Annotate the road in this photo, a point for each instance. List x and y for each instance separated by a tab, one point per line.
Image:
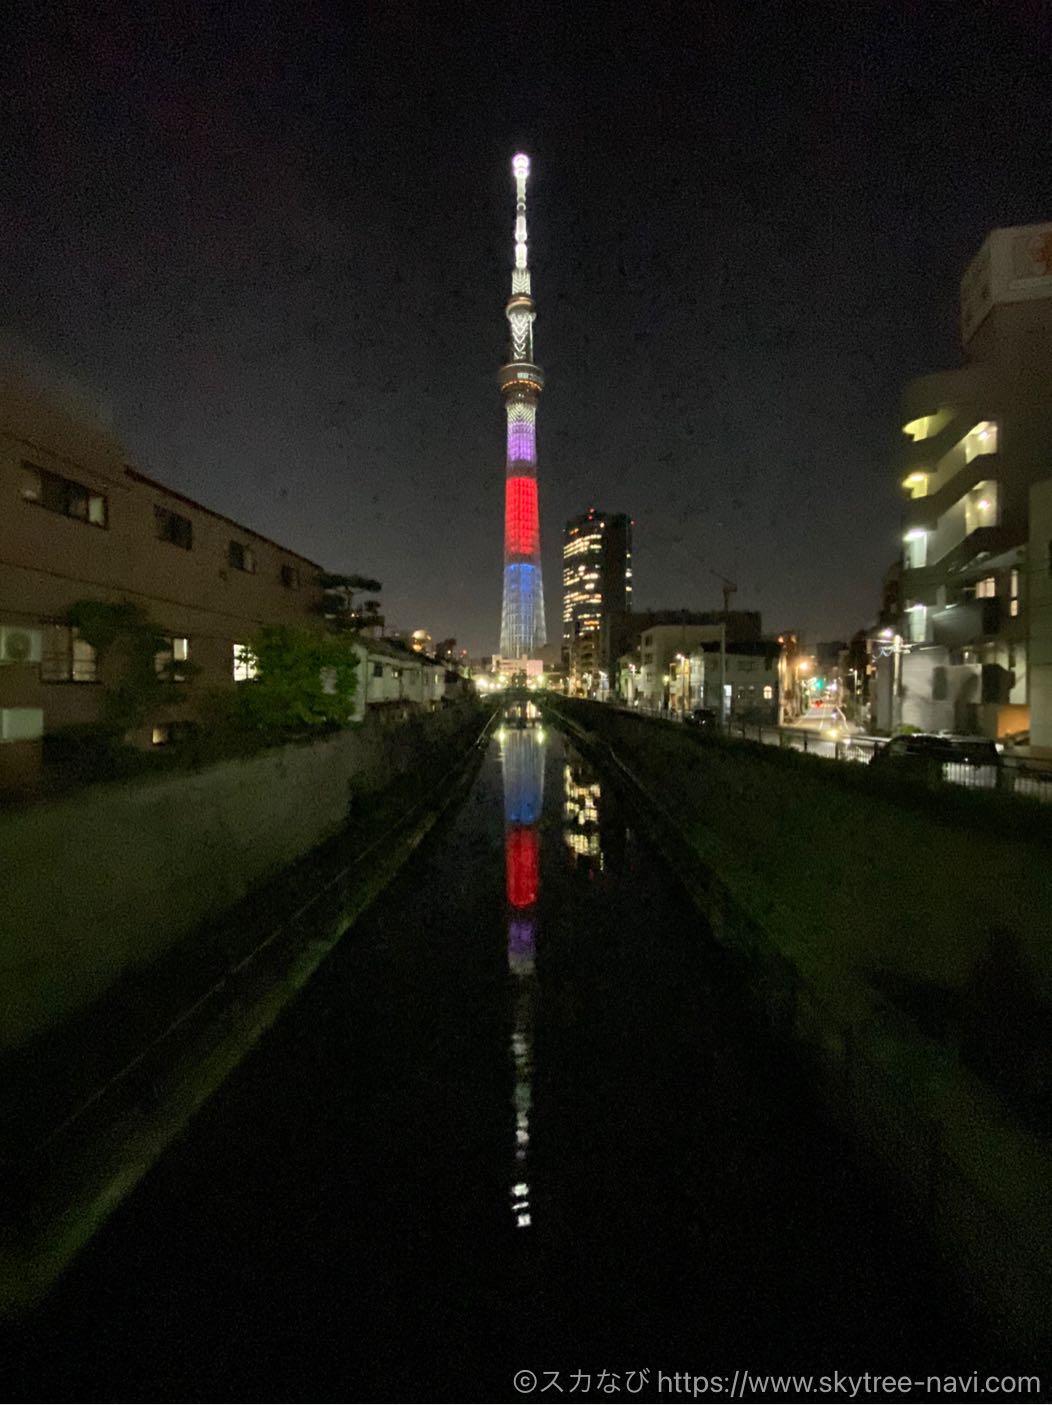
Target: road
522	1119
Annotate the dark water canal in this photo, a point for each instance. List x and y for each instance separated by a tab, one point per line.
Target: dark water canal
522	1119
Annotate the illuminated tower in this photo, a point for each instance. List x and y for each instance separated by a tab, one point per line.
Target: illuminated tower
522	631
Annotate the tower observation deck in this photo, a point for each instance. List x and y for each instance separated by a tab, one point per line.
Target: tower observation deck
522	631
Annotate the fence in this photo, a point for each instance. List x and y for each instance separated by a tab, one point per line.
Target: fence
1016	775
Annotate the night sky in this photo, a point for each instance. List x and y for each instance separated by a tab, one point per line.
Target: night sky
278	242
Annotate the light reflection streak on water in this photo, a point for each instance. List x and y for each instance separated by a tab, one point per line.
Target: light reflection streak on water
522	770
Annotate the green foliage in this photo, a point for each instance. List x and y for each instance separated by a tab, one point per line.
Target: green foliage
127	643
302	680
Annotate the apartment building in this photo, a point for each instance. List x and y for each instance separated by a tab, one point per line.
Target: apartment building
960	652
683	666
76	523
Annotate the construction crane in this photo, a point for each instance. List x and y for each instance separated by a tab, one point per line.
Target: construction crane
728	590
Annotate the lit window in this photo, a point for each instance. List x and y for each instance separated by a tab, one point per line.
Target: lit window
986	589
162	735
166	661
1014	591
244	664
768	692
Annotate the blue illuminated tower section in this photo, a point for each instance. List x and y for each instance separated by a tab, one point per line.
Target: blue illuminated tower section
522	631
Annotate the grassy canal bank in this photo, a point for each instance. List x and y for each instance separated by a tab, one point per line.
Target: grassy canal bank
900	933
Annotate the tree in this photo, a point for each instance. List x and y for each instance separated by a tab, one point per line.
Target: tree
134	661
301	679
338	601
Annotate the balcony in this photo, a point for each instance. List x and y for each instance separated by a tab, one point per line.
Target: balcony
968	622
982	541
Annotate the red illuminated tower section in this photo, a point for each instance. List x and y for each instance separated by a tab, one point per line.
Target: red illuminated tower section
522	632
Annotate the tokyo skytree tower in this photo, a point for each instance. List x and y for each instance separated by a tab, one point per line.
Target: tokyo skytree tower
522	630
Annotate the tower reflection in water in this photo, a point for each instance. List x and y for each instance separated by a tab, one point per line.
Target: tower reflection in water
522	767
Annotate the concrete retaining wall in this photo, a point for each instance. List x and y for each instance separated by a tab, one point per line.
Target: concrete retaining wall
107	878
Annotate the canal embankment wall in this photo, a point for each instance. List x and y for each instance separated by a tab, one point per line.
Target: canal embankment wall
108	878
900	935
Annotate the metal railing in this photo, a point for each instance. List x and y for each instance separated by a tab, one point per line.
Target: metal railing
1014	775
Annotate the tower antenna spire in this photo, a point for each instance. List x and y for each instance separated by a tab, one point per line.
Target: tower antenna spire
522	629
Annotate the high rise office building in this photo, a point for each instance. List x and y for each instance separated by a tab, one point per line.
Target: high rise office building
597	595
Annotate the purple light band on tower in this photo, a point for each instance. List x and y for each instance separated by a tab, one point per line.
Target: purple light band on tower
522	442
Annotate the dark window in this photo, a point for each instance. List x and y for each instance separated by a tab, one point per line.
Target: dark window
241	557
378	670
63	495
170	527
290	577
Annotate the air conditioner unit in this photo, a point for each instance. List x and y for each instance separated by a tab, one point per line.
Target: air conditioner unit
21	724
19	645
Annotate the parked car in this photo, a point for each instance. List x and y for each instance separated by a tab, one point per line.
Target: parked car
702	717
968	757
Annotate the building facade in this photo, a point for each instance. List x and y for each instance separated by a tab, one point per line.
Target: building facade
78	524
522	628
980	439
597	596
683	667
